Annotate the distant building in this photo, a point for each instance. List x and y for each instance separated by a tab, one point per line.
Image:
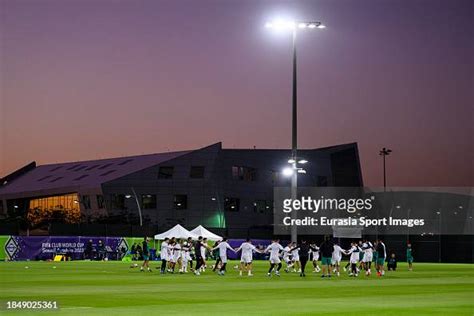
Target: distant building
229	190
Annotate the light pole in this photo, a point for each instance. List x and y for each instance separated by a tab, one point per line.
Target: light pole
384	152
294	26
138	204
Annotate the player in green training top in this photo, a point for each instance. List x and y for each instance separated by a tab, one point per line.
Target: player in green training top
409	257
146	255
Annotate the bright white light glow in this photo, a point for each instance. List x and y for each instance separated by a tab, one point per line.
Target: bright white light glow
128	196
303	161
287	172
281	24
291	161
301	171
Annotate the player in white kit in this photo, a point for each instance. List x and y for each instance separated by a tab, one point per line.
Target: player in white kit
246	256
185	256
176	255
203	255
336	258
354	253
295	257
315	257
223	246
274	248
164	255
368	249
287	257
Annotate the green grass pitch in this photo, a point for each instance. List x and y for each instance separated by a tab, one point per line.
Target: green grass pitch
112	288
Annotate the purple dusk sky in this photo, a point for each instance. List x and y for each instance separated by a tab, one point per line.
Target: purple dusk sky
86	79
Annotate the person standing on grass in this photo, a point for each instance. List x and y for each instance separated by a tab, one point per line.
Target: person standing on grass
146	255
295	257
222	247
304	253
198	251
409	257
336	258
215	253
381	256
368	250
185	256
315	257
176	255
88	250
164	255
287	257
354	253
274	248
326	250
203	254
246	256
361	257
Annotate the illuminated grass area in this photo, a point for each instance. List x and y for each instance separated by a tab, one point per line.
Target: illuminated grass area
106	288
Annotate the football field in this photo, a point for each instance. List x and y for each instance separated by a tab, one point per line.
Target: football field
113	288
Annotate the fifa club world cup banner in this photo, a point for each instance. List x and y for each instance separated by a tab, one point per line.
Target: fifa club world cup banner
46	247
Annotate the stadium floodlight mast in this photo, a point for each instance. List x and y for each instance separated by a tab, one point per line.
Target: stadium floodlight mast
384	152
293	171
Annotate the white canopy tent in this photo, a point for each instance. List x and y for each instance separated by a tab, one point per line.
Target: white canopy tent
201	231
177	232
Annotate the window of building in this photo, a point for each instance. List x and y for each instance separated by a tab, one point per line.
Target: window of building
180	202
100	201
92	167
107	173
118	201
80	168
244	173
44	178
105	166
125	162
64	208
148	201
196	172
262	206
73	167
56	179
165	173
259	206
231	204
322	181
56	168
86	201
81	177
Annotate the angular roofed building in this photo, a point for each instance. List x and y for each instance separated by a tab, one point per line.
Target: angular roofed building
230	190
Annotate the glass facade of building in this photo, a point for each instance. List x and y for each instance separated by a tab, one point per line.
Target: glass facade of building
60	207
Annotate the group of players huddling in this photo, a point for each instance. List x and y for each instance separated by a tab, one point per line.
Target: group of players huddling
175	255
